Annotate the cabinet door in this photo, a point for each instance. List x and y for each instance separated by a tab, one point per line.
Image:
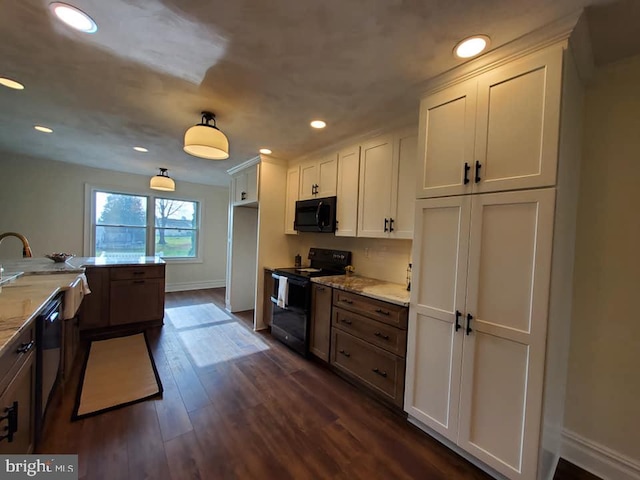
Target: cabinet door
446	141
518	121
293	179
503	362
251	176
327	174
376	174
135	301
21	391
308	180
405	146
434	347
239	188
347	193
320	321
94	309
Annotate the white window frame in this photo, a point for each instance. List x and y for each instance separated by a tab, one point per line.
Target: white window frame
90	219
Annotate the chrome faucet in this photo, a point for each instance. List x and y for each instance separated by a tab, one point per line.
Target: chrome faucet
26	249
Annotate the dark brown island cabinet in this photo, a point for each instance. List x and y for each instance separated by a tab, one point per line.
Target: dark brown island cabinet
123	298
17	400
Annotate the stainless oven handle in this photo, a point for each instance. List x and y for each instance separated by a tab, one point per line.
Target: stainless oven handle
292	281
274	300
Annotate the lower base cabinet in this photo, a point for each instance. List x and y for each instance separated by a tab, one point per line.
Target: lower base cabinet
369	342
17	397
320	321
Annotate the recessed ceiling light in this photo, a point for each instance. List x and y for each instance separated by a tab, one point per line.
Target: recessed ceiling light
7	82
42	129
318	124
472	46
74	17
140	149
266	151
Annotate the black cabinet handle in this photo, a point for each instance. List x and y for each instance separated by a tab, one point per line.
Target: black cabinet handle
243	195
348	322
386	222
382	312
469	318
458	315
320	289
11	415
467	167
138	281
139	272
379	372
25	347
347	301
378	334
346	354
478	167
391	220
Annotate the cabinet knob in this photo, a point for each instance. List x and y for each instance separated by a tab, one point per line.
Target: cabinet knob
347	301
346	354
382	312
380	335
344	320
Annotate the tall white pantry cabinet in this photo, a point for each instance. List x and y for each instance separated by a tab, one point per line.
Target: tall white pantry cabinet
494	234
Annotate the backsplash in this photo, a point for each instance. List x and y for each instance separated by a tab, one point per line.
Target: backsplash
372	257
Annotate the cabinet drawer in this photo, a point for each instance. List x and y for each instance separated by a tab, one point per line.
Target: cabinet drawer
135	273
383	311
381	334
17	351
380	370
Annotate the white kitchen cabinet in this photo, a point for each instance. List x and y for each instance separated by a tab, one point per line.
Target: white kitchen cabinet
245	186
347	191
385	203
318	178
293	185
478	321
496	132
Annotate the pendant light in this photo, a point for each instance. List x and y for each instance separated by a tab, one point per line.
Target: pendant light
206	141
163	182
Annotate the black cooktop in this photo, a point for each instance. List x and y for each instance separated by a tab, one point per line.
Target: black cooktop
323	262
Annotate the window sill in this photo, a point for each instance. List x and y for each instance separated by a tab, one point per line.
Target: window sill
181	261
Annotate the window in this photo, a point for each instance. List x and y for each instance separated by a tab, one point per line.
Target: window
176	234
126	225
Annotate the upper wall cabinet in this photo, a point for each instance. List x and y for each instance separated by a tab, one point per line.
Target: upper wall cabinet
319	178
293	181
385	204
498	131
347	191
245	186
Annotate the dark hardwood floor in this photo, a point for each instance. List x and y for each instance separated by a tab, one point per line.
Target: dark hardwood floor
237	404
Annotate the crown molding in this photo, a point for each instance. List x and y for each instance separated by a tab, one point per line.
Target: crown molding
246	164
556	33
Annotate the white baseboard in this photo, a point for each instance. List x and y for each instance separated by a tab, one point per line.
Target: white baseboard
598	459
184	286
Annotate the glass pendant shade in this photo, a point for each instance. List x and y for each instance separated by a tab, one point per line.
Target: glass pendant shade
206	141
163	182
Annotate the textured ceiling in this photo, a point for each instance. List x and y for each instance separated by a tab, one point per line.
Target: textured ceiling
266	68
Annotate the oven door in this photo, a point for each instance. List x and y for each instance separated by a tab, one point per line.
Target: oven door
290	324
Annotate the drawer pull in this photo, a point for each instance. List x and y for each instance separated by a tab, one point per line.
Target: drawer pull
320	289
379	372
382	312
138	281
346	300
344	320
11	415
378	334
346	354
139	273
25	347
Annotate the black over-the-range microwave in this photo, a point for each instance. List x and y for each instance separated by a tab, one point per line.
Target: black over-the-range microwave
316	215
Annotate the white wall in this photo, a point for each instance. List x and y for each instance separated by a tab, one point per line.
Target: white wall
602	411
44	200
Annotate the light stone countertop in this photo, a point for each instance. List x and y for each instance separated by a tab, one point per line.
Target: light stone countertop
22	299
45	266
369	287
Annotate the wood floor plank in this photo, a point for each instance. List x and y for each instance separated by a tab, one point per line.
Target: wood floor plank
147	458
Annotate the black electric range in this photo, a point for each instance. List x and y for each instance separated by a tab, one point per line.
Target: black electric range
291	313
